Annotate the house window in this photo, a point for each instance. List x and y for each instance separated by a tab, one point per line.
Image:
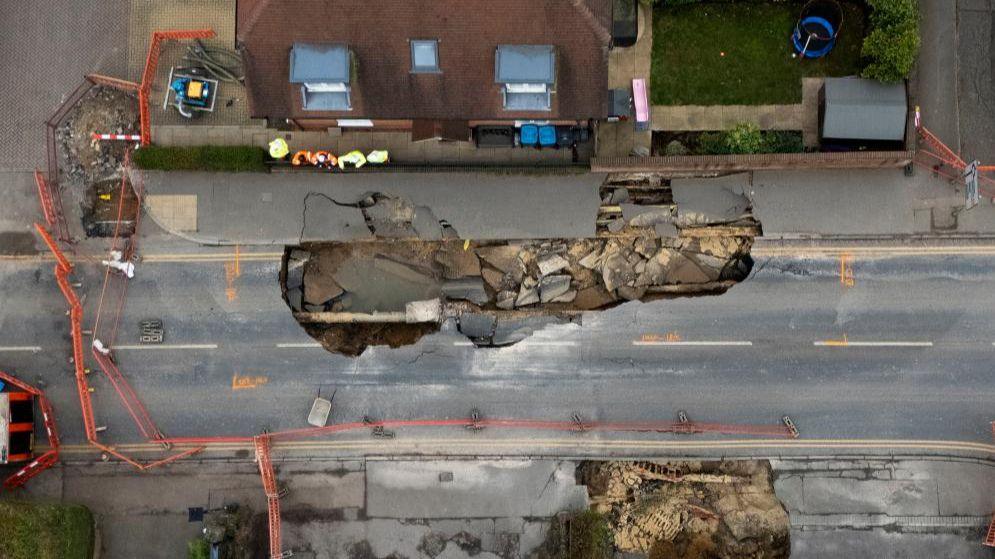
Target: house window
324	73
527	74
425	56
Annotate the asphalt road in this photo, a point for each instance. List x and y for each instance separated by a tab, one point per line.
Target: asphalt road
917	365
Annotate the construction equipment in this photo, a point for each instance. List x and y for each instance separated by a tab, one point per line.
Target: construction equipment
320	408
190	91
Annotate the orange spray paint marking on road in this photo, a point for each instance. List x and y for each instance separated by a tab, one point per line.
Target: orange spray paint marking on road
232	272
846	269
837	343
247	382
668	337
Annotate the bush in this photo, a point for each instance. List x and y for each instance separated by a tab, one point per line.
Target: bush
675	147
198	549
712	143
782	141
232	159
893	44
745	137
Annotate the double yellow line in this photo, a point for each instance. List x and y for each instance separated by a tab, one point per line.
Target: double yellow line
582	445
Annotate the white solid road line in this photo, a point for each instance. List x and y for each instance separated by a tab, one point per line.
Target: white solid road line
849	343
32	348
298	345
527	343
696	343
166	346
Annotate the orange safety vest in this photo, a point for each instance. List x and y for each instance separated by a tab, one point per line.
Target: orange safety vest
300	158
323	159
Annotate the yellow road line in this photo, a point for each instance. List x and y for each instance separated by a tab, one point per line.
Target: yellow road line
582	442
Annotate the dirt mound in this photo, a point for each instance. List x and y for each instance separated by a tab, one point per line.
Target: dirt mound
690	509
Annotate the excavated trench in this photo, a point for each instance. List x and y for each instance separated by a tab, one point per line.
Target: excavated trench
652	242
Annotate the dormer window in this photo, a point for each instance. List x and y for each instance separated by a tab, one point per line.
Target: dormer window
425	56
527	74
324	72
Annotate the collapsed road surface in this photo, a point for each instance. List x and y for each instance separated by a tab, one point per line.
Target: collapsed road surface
398	287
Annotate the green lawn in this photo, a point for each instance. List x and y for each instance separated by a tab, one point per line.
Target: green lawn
31	531
757	69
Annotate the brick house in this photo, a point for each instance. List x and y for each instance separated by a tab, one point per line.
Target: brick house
435	67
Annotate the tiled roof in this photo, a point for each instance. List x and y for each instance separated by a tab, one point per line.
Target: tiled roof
468	33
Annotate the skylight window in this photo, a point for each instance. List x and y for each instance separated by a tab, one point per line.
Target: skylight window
425	56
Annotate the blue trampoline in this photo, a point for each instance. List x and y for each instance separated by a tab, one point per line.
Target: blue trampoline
817	28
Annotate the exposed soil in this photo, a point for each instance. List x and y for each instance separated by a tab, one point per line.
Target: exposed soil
88	166
353	339
690	509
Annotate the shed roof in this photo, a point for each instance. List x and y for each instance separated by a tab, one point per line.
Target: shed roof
862	109
377	34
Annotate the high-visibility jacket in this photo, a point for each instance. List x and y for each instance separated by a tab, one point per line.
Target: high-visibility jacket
302	157
354	158
378	156
278	148
323	159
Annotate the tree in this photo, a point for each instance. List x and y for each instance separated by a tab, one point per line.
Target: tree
892	52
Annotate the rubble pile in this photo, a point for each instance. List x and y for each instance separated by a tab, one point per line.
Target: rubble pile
89	168
690	509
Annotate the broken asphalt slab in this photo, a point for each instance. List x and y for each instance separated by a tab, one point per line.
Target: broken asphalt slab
288	208
710	201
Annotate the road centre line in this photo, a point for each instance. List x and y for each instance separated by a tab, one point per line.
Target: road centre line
166	346
693	343
850	343
32	348
299	345
551	343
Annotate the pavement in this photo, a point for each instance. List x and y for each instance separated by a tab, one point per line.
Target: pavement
954	83
879	203
886	508
499	508
287	208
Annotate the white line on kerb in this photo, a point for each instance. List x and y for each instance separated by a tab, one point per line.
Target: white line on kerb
848	343
298	345
21	348
697	343
166	346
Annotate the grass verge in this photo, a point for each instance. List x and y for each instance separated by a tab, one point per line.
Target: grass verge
33	531
689	68
231	159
